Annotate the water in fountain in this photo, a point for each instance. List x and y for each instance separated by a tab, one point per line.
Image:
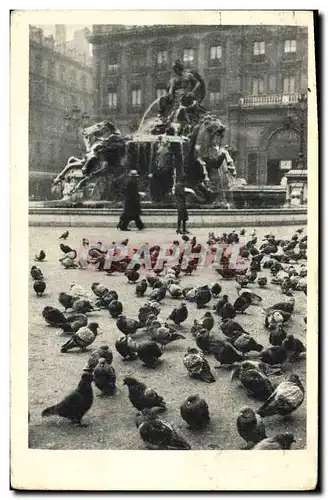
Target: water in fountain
150	123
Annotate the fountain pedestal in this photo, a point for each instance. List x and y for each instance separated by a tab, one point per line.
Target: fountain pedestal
296	191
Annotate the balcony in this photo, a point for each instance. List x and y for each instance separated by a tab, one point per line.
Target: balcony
269	100
113	68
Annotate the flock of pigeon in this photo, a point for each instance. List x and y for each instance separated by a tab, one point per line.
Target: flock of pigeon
146	337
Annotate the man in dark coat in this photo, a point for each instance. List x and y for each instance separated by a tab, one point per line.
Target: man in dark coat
132	206
180	190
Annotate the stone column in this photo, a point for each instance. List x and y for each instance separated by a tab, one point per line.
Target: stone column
262	169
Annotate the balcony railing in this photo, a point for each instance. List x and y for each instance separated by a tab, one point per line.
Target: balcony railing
113	68
269	100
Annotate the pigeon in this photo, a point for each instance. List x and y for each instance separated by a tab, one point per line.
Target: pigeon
273	319
82	338
66	300
229	327
149	352
76	404
226	354
179	314
294	346
250	426
195	412
245	343
102	352
207	321
228	311
286	398
242	303
82	306
132	275
262	281
277	334
99	290
79	292
255	382
203	296
197	366
36	273
40	256
158	434
115	308
206	341
76	321
274	355
278	442
197	327
146	310
65	248
64	236
216	289
158	294
175	291
285	307
104	377
143	397
164	336
39	287
53	316
242	281
126	347
141	288
154	281
128	326
248	295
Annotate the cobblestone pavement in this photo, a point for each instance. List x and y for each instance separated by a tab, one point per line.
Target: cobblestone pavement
111	420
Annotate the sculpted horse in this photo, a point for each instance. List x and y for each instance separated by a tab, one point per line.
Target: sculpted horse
93	176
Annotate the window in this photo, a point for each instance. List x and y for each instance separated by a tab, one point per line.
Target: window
136	98
215	52
258	86
83	82
289	85
162	57
72	78
290	46
62	74
137	60
188	55
112	99
272	83
160	92
258	48
214	97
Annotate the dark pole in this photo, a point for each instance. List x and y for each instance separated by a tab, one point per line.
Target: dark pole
302	100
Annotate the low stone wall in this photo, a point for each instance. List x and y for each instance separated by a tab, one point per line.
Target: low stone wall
211	218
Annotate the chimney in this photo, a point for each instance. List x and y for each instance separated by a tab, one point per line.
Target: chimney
60	34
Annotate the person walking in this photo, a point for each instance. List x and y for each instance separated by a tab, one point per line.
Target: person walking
132	206
179	192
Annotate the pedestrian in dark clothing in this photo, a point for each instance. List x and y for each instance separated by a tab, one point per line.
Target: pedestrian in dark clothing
180	191
132	206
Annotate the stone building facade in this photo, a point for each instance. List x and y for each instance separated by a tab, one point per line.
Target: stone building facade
60	77
254	77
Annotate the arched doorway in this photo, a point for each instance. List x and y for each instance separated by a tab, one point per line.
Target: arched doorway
283	150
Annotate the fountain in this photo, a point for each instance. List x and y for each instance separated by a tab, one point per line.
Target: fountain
161	150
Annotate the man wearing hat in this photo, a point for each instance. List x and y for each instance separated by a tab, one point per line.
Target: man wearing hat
132	207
